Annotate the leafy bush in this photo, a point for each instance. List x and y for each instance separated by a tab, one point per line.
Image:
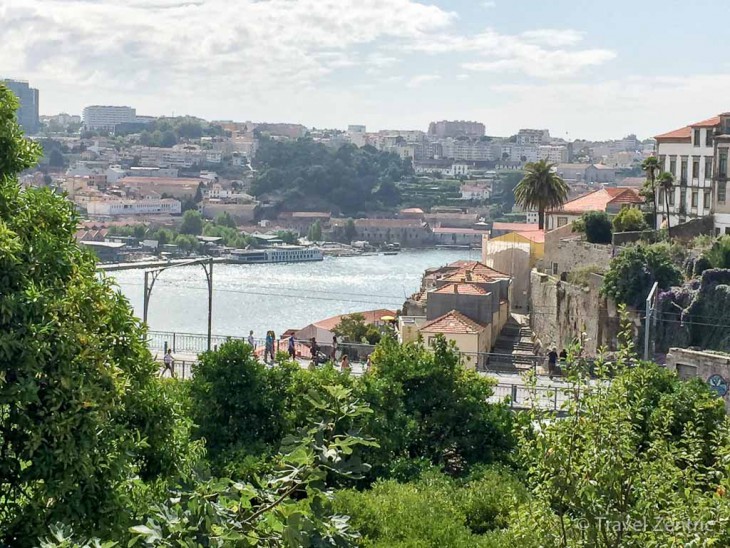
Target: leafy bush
596	225
632	273
629	219
83	413
719	254
582	276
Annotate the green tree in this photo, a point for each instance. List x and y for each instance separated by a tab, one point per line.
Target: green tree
350	231
288	237
597	227
541	188
225	219
353	328
666	183
192	223
632	273
315	232
186	242
629	219
168	139
651	167
82	412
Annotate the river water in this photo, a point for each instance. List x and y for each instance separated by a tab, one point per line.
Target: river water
281	296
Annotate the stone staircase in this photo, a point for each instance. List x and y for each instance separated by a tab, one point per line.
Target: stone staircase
514	348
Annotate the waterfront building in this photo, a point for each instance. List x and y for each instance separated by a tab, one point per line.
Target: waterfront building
28	111
610	200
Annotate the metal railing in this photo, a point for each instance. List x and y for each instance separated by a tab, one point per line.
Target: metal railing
520	396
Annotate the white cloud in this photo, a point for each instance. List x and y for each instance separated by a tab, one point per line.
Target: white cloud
462	76
419	80
489	4
553	37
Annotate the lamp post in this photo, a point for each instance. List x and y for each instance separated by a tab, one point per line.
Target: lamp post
151	275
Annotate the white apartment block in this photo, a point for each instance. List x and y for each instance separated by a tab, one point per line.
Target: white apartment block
554	154
148	206
688	154
533	136
104	117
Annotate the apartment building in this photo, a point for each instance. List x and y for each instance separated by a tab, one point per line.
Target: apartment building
107	117
721	150
554	154
533	137
456	128
688	153
28	98
149	206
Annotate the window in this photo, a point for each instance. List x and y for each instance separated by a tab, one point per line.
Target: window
662	162
707	202
721	192
708	168
722	164
555	269
695	198
671	197
696	139
727	230
683	173
673	166
562	221
708	137
696	168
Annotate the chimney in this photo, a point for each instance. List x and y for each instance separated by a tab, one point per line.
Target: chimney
468	275
455	288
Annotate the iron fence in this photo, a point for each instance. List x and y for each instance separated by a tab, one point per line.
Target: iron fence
520	396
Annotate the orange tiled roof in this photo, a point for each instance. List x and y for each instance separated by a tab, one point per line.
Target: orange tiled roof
466	276
461	289
598	200
536	236
686	132
453	322
479	268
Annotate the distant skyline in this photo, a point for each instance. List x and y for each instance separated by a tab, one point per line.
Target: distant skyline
581	69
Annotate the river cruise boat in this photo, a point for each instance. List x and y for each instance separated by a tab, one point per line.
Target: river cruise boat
279	254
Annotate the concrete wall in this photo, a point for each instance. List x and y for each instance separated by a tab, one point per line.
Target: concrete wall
513	259
241	213
711	368
562	313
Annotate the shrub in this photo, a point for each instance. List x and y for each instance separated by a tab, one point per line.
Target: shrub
629	219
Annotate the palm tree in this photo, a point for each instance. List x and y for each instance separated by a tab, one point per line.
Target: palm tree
666	183
650	166
541	188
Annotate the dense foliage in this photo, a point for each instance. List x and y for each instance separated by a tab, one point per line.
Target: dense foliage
634	270
309	176
596	225
629	219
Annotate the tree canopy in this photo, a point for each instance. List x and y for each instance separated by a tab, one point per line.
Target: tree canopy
308	175
541	189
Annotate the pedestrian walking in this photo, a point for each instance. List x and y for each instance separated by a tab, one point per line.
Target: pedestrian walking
269	346
251	340
333	355
368	364
345	364
313	349
292	348
552	362
169	363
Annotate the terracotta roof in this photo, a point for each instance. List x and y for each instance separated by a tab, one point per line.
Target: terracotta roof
371	316
392	223
453	322
479	268
537	236
686	132
444	230
466	276
159	180
598	200
515	227
461	289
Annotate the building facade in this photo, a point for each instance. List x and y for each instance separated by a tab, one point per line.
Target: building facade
111	208
456	128
106	118
28	113
688	154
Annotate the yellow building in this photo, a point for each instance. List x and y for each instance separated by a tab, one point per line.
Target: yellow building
470	337
515	254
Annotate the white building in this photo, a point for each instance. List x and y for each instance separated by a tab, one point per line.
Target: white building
103	117
148	206
533	136
475	192
688	154
554	154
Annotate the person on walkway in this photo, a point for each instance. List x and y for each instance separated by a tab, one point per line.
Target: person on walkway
368	364
169	362
552	362
345	364
269	347
251	340
563	358
313	349
333	355
292	347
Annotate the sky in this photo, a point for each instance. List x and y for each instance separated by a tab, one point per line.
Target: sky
581	68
